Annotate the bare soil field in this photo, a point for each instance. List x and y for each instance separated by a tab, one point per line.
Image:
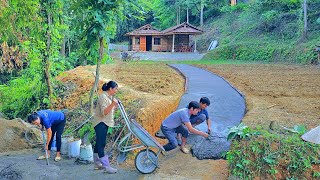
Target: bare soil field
287	94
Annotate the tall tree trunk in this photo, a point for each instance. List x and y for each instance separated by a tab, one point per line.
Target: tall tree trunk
201	14
96	81
187	15
63	47
47	57
179	15
305	19
69	48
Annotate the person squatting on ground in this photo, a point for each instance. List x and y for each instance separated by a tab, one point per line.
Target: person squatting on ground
202	114
200	117
54	122
175	122
103	119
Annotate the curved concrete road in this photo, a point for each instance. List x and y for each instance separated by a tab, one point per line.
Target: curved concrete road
227	106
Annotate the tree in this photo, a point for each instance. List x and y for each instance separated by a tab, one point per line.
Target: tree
97	25
25	26
305	20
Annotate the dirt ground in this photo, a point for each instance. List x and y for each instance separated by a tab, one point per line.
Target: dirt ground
287	94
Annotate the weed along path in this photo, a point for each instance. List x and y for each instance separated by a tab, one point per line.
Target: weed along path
226	110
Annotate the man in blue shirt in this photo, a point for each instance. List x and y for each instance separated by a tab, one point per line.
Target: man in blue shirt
202	114
54	122
200	117
179	122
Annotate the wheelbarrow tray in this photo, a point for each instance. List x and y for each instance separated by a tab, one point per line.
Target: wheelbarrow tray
144	136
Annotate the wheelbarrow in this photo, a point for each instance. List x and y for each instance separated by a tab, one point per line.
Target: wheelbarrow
146	160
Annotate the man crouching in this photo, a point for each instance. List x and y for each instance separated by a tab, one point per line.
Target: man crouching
174	124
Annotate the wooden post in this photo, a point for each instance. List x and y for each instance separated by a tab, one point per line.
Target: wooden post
195	44
172	43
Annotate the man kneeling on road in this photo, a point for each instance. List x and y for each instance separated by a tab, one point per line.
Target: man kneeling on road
174	124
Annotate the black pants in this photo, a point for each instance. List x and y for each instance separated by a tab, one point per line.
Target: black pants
101	130
58	130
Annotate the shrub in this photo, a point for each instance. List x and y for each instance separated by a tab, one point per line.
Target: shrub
274	156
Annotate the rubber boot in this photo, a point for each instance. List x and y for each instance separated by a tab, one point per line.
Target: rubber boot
97	163
105	163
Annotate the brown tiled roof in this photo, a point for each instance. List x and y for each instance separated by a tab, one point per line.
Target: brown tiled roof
145	30
184	28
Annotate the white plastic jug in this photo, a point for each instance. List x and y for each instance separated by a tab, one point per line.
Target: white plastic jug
86	153
74	148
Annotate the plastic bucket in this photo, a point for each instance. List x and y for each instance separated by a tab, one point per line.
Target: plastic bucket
54	145
64	144
86	153
74	148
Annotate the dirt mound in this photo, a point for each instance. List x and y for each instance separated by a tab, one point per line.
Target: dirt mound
159	86
13	135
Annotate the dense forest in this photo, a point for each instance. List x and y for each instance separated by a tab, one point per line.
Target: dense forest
40	39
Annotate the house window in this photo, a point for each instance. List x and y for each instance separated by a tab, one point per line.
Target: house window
157	41
137	40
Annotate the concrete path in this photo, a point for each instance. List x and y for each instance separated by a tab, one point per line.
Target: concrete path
227	104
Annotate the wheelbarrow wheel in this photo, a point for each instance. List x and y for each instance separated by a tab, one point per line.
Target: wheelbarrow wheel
145	161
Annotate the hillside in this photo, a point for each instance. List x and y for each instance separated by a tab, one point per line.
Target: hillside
261	32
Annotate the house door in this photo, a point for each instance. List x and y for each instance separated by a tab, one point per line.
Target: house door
143	44
149	43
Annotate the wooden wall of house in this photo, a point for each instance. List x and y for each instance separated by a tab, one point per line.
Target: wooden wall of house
135	47
163	47
181	41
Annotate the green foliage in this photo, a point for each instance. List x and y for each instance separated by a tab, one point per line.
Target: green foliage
269	155
267	31
87	128
28	29
241	131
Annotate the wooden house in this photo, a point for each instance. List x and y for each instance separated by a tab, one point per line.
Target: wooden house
174	39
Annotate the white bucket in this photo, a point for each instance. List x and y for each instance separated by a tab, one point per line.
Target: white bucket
74	148
86	153
54	144
64	144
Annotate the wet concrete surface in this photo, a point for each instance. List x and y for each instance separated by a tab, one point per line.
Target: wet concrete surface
23	165
226	110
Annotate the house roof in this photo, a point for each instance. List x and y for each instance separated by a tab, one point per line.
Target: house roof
144	30
183	28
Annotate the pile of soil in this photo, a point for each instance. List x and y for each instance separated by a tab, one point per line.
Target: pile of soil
13	135
157	85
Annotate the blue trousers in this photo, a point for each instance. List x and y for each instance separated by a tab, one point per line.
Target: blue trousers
171	136
57	129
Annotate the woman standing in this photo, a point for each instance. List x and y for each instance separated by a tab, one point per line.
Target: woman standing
103	119
54	122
